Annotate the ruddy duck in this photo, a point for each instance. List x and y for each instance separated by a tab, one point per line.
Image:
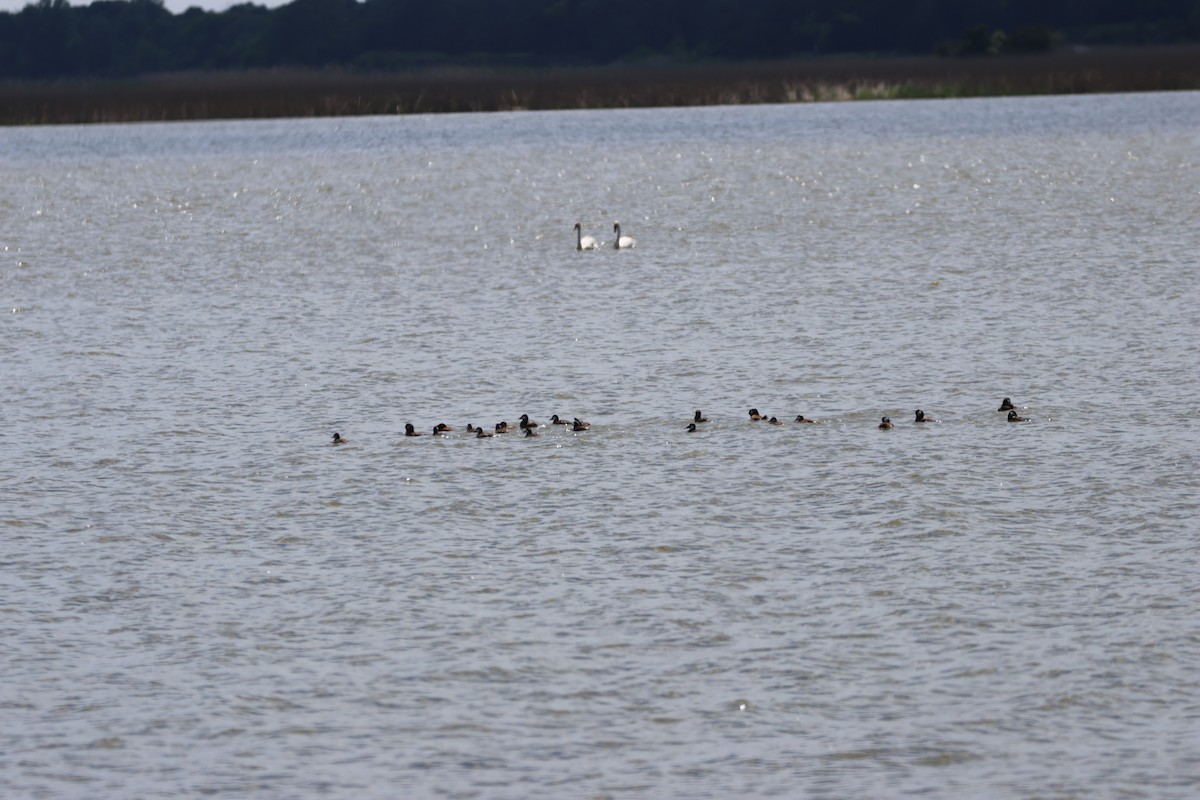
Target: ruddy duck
886	425
802	418
773	421
441	426
755	416
1006	405
409	430
337	439
1013	417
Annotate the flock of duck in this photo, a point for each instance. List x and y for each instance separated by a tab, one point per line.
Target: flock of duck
529	427
1005	405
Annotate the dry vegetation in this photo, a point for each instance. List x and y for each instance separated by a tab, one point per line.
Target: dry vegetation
318	94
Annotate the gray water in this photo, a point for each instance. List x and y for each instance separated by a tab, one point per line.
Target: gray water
201	595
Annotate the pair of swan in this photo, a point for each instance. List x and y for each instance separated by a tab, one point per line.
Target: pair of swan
590	243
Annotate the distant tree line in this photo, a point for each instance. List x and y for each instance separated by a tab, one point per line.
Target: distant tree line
124	38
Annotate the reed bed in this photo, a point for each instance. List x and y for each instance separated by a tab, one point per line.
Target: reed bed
291	93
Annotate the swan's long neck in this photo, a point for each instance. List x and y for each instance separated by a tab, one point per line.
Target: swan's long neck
617	238
578	238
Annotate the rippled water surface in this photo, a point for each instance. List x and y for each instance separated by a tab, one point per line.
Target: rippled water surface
201	595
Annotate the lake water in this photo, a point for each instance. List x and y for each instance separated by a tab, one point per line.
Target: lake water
200	595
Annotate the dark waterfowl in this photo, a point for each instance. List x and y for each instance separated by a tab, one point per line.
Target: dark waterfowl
1014	417
755	416
441	426
802	418
409	430
554	420
699	417
580	425
502	426
438	430
774	421
886	425
337	439
471	428
526	422
691	428
531	432
921	416
480	433
1006	405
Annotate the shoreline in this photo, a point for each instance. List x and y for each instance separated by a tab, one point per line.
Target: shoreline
303	93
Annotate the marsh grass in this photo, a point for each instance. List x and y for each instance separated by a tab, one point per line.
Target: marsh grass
283	93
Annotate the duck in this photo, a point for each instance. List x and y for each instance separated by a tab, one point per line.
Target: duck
531	432
480	433
584	242
802	418
755	416
699	417
441	426
622	242
438	430
526	422
409	430
471	428
502	427
921	416
774	421
580	425
886	425
1014	417
691	428
338	439
1006	405
554	420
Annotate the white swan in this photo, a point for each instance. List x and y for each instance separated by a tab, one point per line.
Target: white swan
622	242
584	242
